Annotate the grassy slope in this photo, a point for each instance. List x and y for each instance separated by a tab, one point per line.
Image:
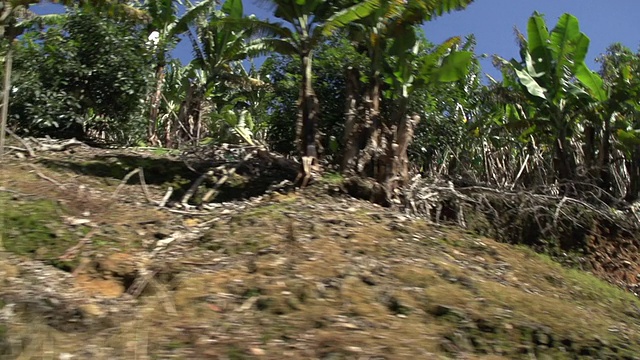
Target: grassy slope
306	276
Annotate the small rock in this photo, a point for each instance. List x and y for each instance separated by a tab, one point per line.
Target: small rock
368	279
92	310
349	326
76	222
248	304
257	351
354	349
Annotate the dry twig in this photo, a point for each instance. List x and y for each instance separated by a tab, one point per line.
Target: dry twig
27	148
43	176
124	181
166	197
73	251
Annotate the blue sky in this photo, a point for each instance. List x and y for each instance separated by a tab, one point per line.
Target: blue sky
492	22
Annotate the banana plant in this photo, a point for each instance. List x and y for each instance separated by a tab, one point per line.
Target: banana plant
619	115
220	46
387	30
165	25
304	24
558	84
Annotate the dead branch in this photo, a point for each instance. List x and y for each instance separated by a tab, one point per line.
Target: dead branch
43	176
61	147
556	215
17	193
27	148
124	181
72	252
141	283
227	172
145	190
143	184
194	187
15	148
166	197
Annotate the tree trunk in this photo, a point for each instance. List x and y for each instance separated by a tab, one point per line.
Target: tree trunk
589	149
565	164
633	167
6	93
154	111
605	156
307	111
378	150
351	127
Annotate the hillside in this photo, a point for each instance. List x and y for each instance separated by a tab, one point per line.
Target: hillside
92	270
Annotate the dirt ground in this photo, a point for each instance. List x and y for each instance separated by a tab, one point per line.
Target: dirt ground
94	268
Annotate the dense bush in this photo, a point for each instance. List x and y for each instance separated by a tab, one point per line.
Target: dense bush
87	76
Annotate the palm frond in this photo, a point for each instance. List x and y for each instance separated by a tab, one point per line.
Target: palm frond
41	21
349	15
265	46
182	25
259	28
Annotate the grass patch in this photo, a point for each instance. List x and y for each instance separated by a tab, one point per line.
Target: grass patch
34	229
332	178
583	286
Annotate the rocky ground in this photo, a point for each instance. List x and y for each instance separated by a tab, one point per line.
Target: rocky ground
94	269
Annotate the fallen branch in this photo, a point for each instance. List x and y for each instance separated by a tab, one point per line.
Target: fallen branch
194	187
141	283
43	176
225	177
27	148
72	252
145	190
61	147
18	193
166	197
124	181
15	148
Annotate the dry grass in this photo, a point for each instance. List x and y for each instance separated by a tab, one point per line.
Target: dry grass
309	277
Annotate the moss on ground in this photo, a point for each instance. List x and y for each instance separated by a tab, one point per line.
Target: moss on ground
34	228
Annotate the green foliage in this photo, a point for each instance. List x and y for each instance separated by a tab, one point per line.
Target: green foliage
330	61
451	111
620	67
86	77
557	85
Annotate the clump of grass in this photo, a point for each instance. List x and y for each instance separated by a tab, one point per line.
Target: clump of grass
332	178
34	229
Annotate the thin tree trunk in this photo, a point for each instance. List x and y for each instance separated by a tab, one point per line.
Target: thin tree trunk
155	107
564	164
589	148
633	167
605	156
349	140
307	120
6	87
